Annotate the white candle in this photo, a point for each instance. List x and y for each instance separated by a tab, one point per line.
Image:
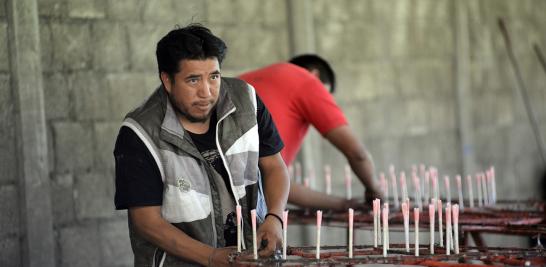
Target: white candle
379	221
427	187
431	212
448	229
328	179
385	215
239	234
447	188
384	185
351	215
460	191
416	219
394	186
494	184
440	227
470	192
484	188
489	178
348	181
319	221
386	226
479	182
375	226
405	213
284	230
417	186
435	186
455	210
253	219
403	185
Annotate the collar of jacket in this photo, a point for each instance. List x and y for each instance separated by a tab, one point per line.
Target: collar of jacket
173	132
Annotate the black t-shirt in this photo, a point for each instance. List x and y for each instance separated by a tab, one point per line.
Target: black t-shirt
138	180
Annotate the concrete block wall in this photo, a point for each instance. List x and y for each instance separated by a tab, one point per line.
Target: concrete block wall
395	65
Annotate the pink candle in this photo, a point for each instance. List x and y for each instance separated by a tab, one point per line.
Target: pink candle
319	221
493	184
484	188
447	188
479	181
427	187
306	182
284	231
403	185
440	226
460	190
375	221
384	185
470	192
385	230
328	179
394	186
455	210
351	216
435	186
348	181
405	213
253	220
431	213
417	191
448	229
386	226
239	218
416	219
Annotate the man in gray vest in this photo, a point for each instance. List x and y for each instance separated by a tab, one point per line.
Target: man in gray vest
197	147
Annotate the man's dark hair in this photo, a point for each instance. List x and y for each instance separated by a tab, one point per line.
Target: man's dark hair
191	42
311	61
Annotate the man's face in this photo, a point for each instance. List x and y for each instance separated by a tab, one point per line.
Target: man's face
194	91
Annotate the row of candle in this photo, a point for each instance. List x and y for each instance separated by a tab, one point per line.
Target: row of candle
486	187
452	227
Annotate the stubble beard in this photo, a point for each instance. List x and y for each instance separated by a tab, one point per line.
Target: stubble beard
181	113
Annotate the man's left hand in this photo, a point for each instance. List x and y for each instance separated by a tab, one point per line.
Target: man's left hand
270	230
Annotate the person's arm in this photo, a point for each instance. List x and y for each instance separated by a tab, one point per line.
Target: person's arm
150	224
359	159
309	198
276	184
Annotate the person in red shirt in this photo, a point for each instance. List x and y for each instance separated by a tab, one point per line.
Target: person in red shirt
296	95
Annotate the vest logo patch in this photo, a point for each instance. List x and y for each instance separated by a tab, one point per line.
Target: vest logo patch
183	185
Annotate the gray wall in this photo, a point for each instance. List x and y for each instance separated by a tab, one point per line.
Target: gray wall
395	62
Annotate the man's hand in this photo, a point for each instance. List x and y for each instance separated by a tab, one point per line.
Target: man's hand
270	230
371	194
220	256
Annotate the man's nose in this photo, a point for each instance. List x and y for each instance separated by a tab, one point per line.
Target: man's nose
205	90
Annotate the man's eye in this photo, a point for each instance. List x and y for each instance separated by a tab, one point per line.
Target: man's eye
215	76
193	80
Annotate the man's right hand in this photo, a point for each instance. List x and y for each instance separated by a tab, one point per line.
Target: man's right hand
220	256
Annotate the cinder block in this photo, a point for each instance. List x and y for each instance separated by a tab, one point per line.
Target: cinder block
159	11
129	90
94	195
62	198
9	208
115	243
441	114
2	9
7	131
413	39
190	11
4	58
10	252
433	9
364	42
329	36
52	8
275	13
79	246
87	9
222	12
46	48
125	9
73	146
56	96
423	78
328	11
110	47
143	40
71	45
105	134
90	95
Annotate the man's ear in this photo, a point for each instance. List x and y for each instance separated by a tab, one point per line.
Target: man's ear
167	83
315	73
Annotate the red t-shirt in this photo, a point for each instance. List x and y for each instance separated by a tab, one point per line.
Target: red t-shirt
295	98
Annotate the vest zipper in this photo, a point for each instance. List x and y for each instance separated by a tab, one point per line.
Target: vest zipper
235	193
